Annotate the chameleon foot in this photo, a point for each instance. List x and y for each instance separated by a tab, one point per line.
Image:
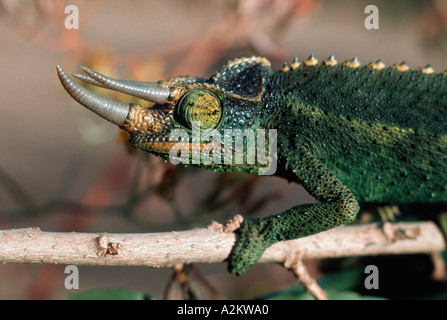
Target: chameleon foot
249	248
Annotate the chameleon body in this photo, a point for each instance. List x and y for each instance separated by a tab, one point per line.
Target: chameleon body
348	133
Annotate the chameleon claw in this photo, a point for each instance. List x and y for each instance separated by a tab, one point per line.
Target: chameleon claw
248	249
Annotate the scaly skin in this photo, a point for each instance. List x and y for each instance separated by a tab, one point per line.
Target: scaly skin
347	133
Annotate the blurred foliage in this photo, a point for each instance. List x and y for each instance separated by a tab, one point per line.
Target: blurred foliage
400	278
338	285
110	294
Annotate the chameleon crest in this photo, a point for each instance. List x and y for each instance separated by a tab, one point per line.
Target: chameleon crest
348	133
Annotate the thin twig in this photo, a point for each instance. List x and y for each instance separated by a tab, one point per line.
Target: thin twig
295	263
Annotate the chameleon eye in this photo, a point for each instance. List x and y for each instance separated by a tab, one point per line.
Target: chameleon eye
201	106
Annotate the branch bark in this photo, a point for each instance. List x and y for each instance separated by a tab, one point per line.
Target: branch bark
209	245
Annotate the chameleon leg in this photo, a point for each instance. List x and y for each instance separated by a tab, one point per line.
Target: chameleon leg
442	219
337	206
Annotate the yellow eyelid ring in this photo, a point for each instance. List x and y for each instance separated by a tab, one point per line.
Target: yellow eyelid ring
199	105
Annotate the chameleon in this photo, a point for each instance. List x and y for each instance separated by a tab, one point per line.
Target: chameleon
349	133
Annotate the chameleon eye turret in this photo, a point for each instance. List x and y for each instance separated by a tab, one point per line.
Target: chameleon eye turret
199	105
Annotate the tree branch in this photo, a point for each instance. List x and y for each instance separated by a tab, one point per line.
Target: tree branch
295	263
211	244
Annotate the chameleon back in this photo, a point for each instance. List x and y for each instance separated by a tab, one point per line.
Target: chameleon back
382	132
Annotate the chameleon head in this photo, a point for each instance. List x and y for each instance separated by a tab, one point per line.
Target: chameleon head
227	100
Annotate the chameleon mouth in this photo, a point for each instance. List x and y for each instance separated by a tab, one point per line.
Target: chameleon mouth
163	146
158	147
130	117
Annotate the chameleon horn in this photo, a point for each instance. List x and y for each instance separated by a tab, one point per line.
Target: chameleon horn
150	93
88	79
114	111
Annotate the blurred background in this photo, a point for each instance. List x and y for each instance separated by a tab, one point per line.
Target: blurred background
62	168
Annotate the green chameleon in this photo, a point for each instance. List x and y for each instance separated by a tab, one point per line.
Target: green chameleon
348	133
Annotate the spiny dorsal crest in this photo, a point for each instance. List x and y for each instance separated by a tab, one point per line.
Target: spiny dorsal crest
354	63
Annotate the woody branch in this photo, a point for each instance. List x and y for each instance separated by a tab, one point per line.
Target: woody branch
209	245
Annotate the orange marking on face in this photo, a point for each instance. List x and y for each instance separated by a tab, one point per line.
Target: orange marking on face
147	120
166	147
